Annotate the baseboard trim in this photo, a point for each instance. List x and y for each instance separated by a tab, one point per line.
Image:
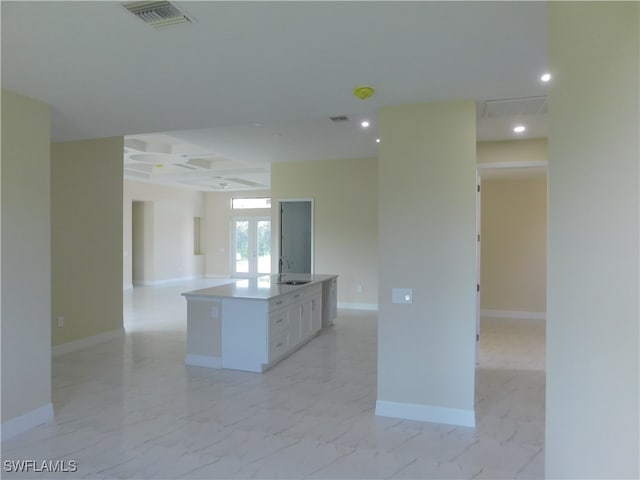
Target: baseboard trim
76	345
518	314
27	421
157	283
358	306
203	361
426	413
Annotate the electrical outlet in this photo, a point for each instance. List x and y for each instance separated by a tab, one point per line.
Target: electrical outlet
60	322
402	295
359	288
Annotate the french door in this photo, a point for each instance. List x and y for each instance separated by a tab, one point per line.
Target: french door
251	246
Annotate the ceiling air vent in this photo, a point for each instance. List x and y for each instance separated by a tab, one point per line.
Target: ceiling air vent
514	106
184	165
339	118
241	181
156	14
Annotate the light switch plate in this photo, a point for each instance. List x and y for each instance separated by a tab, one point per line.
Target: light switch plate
402	295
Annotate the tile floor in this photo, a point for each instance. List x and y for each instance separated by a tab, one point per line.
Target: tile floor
130	408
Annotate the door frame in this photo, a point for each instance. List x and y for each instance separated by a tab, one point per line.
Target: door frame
275	229
253	245
480	169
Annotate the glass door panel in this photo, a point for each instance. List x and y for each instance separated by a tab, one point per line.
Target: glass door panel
241	246
263	241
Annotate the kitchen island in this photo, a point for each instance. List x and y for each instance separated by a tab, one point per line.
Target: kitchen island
251	324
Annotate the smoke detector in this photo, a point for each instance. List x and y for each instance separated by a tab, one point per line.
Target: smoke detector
157	14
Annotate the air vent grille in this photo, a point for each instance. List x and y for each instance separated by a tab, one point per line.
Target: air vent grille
339	118
241	181
156	14
514	106
184	165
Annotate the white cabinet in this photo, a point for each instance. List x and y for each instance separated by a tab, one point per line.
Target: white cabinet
272	331
232	326
316	311
301	310
278	334
310	312
329	301
295	319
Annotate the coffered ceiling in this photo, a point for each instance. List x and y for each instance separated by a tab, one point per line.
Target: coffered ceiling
216	100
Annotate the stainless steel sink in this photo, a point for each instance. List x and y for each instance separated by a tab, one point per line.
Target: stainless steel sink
294	282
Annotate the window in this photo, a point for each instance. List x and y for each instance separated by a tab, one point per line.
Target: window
245	203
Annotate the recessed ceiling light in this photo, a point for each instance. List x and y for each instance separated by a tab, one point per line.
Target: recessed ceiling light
365	123
377	140
519	128
546	77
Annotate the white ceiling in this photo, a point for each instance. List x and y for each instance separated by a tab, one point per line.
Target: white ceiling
250	83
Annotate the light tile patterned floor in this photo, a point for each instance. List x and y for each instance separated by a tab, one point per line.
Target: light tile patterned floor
130	408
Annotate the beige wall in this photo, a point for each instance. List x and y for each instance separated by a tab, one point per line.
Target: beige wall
427	164
169	212
593	374
514	245
218	228
26	258
86	235
532	150
345	194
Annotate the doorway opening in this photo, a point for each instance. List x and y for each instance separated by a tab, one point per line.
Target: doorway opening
295	236
511	266
141	242
251	246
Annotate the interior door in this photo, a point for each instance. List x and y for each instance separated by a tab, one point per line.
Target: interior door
296	225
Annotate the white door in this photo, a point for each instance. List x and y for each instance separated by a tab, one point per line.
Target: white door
296	236
251	252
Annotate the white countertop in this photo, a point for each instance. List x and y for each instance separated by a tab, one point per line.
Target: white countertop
260	288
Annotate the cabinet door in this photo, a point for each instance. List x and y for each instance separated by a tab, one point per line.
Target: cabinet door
333	300
316	313
278	347
306	318
295	317
278	323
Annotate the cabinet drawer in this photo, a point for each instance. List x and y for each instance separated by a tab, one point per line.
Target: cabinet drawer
313	290
279	302
278	347
278	323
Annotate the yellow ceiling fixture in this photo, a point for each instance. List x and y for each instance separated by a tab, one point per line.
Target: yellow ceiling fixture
363	92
